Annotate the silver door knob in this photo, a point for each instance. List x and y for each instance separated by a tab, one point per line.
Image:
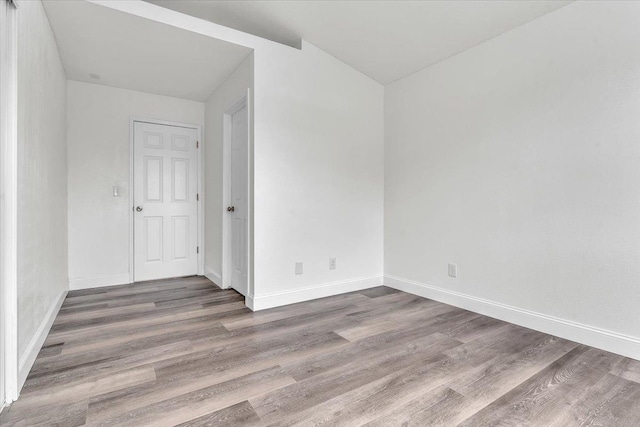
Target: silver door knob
139	209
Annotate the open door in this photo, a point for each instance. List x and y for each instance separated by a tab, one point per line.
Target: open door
236	254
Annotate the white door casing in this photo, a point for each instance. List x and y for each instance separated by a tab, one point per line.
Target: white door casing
8	204
237	209
165	175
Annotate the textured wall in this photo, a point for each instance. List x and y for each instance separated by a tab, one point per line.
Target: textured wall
318	156
42	172
99	158
519	161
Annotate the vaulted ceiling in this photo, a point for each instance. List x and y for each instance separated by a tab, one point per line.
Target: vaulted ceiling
386	40
104	46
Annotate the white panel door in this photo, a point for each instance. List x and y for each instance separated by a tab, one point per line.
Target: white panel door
239	209
165	197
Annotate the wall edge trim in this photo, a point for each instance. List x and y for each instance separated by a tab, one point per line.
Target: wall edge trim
98	282
213	275
292	296
38	339
603	339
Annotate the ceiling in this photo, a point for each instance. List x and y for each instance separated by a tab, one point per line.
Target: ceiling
130	52
386	40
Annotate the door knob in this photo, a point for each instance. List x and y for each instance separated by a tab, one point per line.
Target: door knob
231	209
139	209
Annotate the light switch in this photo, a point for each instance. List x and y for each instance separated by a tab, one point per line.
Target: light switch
117	191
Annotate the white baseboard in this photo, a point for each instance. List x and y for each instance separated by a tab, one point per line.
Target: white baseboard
277	299
249	302
214	276
30	354
98	282
584	334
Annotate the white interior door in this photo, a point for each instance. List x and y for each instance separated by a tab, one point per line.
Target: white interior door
239	206
166	206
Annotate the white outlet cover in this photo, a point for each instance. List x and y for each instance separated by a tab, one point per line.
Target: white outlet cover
332	263
298	268
453	270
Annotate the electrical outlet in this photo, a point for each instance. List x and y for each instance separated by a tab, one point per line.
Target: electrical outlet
332	263
298	268
453	270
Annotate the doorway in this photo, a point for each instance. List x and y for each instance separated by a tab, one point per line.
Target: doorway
166	200
236	189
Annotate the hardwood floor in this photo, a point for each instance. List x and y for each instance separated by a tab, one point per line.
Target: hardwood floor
184	352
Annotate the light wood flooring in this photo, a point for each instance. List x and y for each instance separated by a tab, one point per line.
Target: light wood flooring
184	352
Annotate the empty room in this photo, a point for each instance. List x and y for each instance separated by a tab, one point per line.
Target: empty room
315	212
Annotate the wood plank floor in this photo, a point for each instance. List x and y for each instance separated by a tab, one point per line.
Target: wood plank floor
184	352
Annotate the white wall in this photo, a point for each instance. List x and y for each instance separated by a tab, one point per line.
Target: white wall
518	160
224	97
318	176
98	159
318	166
42	181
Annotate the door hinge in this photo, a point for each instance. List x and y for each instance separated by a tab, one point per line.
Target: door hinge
197	249
197	197
197	144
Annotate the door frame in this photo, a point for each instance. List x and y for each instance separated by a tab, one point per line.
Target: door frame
244	101
201	193
9	206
